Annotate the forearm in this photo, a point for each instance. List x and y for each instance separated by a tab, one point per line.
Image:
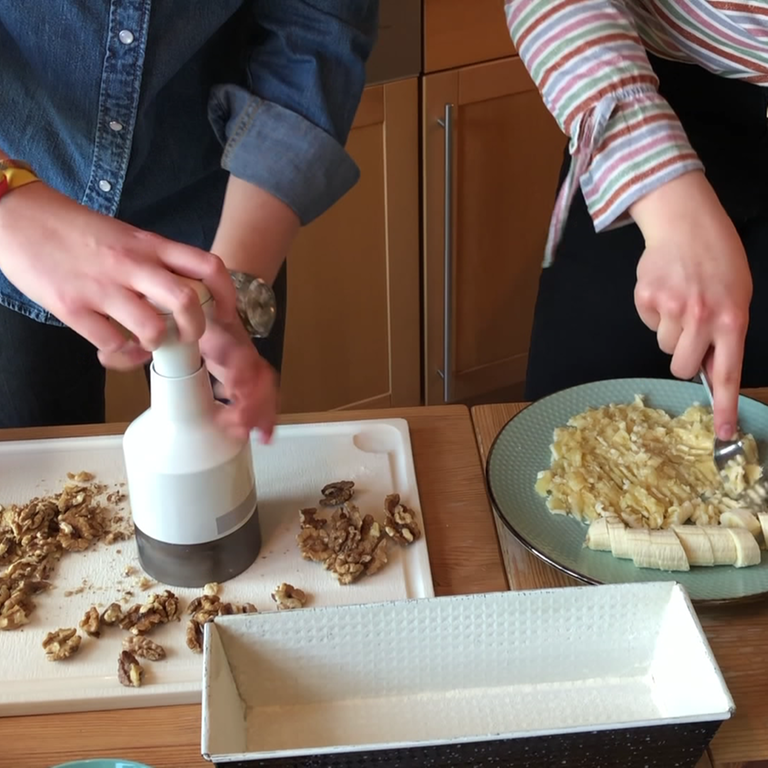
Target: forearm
591	67
255	231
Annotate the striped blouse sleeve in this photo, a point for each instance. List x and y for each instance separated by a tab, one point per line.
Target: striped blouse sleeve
593	73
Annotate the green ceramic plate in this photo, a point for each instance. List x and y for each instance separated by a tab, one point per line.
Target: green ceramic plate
522	449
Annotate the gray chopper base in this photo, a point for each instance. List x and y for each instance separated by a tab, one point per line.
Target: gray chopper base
195	565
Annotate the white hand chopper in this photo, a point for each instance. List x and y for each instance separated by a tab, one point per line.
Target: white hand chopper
191	486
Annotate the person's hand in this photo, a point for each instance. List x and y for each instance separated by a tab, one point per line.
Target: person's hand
85	268
694	287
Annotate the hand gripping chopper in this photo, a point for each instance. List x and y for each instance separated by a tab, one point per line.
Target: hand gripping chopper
191	486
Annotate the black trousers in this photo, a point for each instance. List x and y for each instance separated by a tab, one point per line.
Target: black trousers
51	376
586	327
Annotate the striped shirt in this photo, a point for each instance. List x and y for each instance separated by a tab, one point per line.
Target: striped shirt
588	59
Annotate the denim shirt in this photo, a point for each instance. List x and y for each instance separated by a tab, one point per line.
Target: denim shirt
140	109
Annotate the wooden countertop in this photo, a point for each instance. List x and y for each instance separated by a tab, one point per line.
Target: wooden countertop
464	556
738	634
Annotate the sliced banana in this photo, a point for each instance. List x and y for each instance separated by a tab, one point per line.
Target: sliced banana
741	518
669	551
747	550
723	544
695	543
762	518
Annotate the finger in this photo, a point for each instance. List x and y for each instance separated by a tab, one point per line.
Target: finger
668	334
691	349
133	355
137	316
646	308
207	267
97	329
726	379
174	295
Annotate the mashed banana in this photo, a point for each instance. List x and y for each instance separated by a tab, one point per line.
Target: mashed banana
649	468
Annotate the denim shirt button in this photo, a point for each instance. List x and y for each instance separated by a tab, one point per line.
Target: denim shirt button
105	186
126	36
115	126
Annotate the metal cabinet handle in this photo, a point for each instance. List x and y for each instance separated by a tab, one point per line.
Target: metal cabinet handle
447	373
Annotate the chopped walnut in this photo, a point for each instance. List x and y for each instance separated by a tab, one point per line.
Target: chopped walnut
61	644
288	597
80	477
159	609
211	589
314	544
35	535
206	608
144	648
338	493
129	671
195	636
307	518
91	622
400	524
144	583
349	546
112	614
129	570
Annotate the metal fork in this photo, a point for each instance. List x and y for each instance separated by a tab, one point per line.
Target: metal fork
725	451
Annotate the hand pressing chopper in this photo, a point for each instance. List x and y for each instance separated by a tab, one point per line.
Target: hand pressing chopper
191	485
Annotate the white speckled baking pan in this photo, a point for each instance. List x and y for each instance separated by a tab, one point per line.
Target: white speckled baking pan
375	454
607	676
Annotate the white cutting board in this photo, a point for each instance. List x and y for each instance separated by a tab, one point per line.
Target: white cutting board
375	454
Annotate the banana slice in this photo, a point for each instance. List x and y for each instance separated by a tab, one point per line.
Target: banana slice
669	552
762	518
695	543
747	550
723	544
741	518
640	546
598	537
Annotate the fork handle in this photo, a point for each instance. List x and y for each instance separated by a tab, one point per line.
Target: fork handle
704	376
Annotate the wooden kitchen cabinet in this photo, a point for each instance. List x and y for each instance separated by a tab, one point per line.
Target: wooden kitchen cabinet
353	322
503	169
461	32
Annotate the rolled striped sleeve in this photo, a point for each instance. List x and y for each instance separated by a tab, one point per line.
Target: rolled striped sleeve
593	73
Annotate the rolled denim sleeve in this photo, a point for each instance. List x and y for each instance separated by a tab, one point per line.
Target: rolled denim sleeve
286	129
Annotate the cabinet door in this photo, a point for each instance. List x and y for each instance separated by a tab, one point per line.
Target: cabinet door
462	32
352	335
502	167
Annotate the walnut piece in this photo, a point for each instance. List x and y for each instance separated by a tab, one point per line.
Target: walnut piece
336	494
129	671
144	648
195	636
288	597
211	589
400	523
61	644
91	622
159	609
112	615
307	518
206	608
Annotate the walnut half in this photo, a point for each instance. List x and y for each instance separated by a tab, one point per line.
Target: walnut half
144	648
129	671
338	493
400	524
288	597
61	644
91	622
